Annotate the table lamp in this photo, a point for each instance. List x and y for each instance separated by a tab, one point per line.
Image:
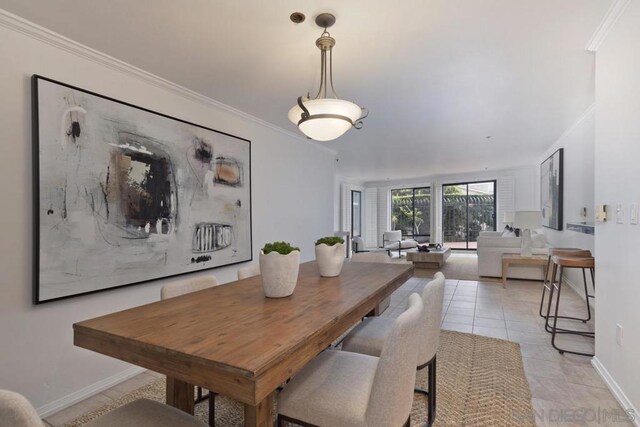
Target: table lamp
527	221
508	217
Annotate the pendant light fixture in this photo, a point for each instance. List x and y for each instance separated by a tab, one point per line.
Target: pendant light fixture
325	118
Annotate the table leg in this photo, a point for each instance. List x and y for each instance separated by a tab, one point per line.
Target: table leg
260	415
505	267
180	395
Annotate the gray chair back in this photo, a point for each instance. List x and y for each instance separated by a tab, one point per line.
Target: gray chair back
16	411
391	395
186	286
432	298
250	271
391	236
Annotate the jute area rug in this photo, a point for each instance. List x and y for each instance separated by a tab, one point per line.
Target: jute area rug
460	266
480	382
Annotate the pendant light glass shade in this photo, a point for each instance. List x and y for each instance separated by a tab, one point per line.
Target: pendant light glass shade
328	118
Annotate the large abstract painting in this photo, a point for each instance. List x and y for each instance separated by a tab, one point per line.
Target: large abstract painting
551	190
125	195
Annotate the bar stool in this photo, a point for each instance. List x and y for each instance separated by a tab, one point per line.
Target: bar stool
559	264
565	252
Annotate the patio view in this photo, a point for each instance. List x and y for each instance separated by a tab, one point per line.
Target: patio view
467	209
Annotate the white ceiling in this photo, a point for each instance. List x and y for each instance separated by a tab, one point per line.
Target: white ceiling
437	75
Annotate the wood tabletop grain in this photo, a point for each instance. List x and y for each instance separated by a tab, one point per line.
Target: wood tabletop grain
230	336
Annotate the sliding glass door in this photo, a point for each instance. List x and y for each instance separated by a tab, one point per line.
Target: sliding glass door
467	209
356	213
411	212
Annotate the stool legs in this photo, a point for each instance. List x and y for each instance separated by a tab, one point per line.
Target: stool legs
551	284
556	287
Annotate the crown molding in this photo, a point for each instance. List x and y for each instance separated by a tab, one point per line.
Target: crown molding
606	25
37	32
587	113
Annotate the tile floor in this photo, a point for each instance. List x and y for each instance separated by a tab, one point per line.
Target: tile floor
566	389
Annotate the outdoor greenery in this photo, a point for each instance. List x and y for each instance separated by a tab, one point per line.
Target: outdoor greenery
411	211
454	216
283	248
330	241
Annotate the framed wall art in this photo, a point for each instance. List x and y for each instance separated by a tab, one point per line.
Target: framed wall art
125	195
551	186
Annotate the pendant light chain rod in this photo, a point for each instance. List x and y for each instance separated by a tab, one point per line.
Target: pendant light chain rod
335	95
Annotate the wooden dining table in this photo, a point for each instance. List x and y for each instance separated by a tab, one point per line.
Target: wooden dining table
233	340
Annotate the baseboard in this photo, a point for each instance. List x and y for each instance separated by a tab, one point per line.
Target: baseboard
616	391
86	392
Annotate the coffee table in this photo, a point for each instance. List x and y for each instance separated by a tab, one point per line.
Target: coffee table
435	258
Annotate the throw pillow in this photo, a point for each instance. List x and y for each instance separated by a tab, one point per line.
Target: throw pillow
508	233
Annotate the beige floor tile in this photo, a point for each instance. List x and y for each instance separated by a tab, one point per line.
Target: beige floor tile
529	338
491	332
458	304
94	402
461	311
456	318
464	298
489	313
531	327
488	323
457	327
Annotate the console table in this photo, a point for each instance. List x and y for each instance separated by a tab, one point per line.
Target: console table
509	259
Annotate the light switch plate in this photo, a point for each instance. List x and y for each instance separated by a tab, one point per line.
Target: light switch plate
601	213
634	214
620	213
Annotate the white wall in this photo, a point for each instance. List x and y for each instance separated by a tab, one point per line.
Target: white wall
292	200
579	189
617	156
520	182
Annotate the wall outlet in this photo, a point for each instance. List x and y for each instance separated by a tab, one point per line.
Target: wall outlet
634	214
619	334
601	213
620	213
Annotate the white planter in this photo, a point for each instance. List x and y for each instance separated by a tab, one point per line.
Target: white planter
279	273
330	259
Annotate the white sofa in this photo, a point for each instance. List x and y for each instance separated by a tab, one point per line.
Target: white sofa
491	246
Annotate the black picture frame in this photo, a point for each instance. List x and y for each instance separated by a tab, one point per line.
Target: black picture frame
36	144
552	190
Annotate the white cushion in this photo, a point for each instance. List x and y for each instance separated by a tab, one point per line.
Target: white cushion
331	390
508	233
404	244
369	336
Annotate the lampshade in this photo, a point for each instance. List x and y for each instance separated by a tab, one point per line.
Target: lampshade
508	217
329	118
528	220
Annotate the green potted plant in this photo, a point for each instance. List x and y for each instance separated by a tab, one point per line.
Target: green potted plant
330	255
279	265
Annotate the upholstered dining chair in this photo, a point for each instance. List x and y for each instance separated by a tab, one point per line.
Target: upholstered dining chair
186	286
345	389
16	411
371	336
250	271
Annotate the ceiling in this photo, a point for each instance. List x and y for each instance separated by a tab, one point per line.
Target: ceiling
438	76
